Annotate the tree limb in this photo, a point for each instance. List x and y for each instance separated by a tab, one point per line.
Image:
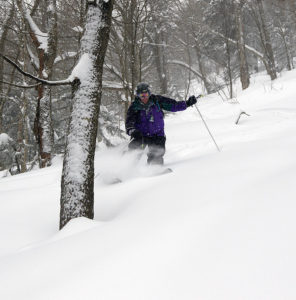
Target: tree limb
35	7
42	81
180	63
21	86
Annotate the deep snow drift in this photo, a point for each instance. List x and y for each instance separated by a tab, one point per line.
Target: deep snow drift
221	226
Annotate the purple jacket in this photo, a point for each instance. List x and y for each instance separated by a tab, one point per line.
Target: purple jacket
148	118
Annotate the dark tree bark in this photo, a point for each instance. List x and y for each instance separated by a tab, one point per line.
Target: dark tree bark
202	70
266	41
228	68
46	56
244	68
284	29
77	187
3	36
159	51
132	33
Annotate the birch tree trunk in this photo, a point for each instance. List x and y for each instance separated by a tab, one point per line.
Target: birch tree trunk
77	194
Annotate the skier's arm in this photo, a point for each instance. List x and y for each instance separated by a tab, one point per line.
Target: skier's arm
173	105
170	104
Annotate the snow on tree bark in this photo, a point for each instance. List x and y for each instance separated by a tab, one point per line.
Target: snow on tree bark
46	46
45	119
77	195
43	125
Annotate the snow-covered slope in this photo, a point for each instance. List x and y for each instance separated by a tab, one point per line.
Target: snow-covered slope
221	226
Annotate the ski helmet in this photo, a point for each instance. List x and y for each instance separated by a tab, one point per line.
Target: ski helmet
143	87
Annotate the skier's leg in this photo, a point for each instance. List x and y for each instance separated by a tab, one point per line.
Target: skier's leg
156	150
135	144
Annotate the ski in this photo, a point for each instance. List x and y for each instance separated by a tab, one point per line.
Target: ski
162	172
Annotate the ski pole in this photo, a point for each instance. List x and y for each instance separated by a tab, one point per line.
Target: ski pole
199	96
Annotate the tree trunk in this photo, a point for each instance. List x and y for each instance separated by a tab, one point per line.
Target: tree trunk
228	69
22	135
283	22
46	55
244	68
287	51
77	194
43	126
3	35
45	117
160	60
132	40
293	6
202	71
266	41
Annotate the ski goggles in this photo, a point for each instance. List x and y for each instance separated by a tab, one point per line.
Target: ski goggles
144	94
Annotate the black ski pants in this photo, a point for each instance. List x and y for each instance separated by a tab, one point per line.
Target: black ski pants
156	148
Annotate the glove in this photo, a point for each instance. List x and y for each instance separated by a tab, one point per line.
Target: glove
191	101
135	134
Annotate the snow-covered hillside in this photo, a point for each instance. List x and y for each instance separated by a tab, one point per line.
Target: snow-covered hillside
221	226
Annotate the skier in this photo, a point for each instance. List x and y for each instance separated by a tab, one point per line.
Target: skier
145	121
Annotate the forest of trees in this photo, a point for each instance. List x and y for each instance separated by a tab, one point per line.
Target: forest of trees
46	45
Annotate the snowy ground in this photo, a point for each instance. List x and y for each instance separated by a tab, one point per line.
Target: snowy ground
221	226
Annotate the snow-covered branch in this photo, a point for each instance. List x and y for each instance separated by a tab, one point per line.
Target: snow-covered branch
64	56
20	86
67	81
111	85
182	64
76	74
5	139
33	58
251	49
148	65
158	45
113	70
41	37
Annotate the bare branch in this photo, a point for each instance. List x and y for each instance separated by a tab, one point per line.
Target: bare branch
181	63
21	86
42	81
